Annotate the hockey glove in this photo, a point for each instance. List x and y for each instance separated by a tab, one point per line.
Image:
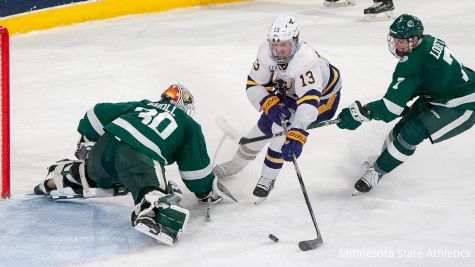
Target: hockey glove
294	142
273	108
217	193
281	82
281	86
352	116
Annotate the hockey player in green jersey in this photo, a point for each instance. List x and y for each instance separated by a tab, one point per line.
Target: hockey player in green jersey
443	90
133	141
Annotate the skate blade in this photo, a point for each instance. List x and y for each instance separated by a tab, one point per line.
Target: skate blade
384	16
65	194
208	213
160	237
338	4
259	200
221	188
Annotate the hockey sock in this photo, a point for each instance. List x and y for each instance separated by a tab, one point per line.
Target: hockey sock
273	163
402	147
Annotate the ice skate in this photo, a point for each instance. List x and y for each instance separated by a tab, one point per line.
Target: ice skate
380	11
262	189
369	180
338	3
42	189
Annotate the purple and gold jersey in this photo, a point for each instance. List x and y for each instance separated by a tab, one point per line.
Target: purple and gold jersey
314	82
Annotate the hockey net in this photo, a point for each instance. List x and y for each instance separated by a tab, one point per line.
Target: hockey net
4	114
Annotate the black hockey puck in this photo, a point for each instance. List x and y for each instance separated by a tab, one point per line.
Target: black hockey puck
273	238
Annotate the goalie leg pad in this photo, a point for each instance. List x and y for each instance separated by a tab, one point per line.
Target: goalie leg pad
166	226
70	181
159	216
67	177
173	220
149	227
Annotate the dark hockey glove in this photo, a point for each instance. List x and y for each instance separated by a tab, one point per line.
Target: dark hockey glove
281	82
352	116
274	109
294	142
281	86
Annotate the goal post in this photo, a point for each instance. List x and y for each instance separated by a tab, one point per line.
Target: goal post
5	113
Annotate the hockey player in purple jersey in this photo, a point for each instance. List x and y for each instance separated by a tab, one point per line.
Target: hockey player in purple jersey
290	80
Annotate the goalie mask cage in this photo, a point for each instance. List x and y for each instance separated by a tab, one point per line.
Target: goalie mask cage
5	114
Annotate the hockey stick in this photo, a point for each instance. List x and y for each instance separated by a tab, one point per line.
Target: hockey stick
313	243
208	208
228	131
313	125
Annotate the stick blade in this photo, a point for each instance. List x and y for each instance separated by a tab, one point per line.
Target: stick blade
221	190
310	244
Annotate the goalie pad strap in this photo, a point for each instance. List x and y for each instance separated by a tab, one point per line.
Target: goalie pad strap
57	177
82	176
160	173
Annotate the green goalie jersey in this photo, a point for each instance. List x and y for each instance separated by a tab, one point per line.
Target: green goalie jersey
160	130
430	71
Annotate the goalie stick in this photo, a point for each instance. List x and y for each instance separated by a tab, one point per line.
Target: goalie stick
313	125
228	131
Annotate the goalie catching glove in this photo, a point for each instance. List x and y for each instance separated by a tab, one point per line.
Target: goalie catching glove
352	116
294	142
273	108
217	193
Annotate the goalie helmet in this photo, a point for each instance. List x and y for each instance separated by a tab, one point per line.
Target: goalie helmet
405	27
181	97
283	32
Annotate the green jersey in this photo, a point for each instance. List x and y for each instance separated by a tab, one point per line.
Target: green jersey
159	130
430	71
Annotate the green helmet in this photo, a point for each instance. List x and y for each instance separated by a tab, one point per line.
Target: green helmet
406	26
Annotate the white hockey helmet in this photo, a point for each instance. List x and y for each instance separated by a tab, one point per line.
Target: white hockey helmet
181	97
283	30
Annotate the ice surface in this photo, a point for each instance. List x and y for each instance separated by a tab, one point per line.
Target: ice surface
422	214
